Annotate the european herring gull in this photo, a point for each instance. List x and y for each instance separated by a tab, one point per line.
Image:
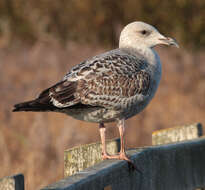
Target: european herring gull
112	86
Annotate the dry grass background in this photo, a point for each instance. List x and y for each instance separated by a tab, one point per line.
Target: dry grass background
33	143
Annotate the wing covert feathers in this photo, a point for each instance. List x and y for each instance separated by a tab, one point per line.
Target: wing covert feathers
108	79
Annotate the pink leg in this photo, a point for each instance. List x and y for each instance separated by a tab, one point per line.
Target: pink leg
102	135
122	155
105	155
121	126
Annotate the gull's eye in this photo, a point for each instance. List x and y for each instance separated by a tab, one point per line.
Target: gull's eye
144	32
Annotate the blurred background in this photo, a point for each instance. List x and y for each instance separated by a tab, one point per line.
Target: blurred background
40	41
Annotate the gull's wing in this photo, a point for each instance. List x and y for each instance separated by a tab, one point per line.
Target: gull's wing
105	81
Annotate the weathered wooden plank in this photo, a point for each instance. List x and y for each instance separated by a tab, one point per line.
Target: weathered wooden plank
177	166
177	134
15	182
78	158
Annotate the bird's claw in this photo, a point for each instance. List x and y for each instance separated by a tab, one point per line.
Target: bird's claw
121	156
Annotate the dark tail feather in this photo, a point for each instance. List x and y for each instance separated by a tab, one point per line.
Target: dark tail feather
32	105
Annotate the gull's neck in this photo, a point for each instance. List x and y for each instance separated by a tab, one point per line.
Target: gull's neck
146	52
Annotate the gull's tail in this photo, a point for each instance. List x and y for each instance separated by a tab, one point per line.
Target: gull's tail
62	92
33	105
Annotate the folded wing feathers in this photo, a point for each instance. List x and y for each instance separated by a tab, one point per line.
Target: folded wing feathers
103	81
99	82
64	94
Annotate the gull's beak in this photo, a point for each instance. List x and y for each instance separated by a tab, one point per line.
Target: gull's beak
168	41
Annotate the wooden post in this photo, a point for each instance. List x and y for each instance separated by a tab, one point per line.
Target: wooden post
78	158
177	134
177	166
15	182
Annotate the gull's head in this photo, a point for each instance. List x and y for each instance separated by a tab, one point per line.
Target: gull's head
140	34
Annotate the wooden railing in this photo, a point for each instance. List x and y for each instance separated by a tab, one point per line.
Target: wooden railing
176	161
